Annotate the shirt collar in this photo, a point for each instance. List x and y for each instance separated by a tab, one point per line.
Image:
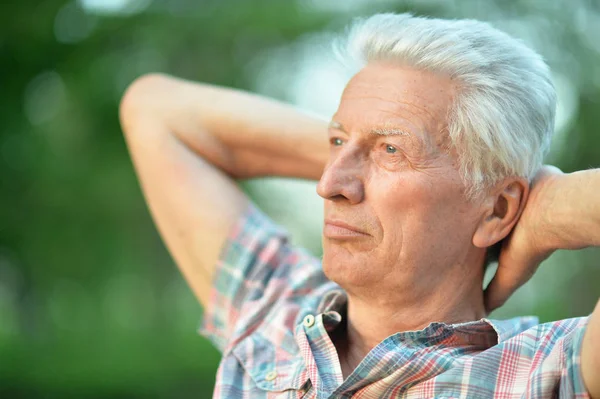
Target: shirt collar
506	329
485	331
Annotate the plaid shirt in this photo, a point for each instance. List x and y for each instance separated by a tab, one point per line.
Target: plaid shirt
271	309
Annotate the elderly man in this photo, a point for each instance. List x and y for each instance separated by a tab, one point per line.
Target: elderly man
433	157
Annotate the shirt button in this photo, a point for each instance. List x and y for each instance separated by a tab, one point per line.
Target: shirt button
271	375
309	320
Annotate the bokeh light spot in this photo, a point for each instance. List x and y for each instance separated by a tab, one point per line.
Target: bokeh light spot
44	96
126	7
72	24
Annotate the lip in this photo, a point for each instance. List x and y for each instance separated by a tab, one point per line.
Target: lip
340	230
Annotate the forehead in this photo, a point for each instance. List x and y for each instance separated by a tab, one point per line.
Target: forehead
383	96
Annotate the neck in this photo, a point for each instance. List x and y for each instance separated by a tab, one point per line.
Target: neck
370	320
368	325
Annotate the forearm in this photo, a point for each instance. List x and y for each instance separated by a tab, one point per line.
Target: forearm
243	134
575	217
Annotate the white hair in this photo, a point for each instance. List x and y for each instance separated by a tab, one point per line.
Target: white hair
502	119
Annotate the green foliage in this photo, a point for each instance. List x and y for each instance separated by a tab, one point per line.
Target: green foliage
91	304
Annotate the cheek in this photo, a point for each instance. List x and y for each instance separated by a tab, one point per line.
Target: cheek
415	202
399	195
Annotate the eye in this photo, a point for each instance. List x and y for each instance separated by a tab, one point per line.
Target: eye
336	141
390	149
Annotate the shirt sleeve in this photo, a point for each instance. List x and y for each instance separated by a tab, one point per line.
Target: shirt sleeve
258	272
571	382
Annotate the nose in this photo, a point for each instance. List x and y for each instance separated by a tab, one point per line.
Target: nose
343	178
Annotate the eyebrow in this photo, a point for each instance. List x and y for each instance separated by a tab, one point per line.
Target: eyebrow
386	131
380	131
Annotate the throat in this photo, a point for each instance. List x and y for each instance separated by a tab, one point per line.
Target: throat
362	328
349	355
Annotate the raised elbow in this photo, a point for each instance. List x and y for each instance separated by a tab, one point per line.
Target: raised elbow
141	98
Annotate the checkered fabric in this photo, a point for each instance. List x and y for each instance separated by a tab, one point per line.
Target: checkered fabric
271	309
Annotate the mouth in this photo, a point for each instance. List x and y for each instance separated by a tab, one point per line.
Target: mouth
336	229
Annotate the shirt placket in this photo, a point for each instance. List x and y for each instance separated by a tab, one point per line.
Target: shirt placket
320	355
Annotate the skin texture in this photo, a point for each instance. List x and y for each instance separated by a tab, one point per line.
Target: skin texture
392	177
190	141
387	170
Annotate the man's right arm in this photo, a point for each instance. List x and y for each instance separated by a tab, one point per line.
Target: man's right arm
188	143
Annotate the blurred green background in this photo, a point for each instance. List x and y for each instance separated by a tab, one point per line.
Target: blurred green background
91	304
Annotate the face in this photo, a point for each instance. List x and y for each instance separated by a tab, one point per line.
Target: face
396	214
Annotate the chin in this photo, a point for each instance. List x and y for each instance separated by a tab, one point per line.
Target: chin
346	271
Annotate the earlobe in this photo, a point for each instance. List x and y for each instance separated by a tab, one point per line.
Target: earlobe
501	212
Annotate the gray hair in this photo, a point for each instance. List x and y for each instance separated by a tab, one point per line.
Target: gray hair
502	119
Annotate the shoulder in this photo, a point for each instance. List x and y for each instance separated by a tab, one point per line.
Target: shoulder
555	332
562	327
531	360
261	279
546	340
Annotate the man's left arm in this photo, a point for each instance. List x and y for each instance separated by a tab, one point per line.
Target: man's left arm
562	212
577	225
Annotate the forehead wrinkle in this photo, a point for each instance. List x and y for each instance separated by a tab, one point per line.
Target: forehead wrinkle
402	108
399	98
416	106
